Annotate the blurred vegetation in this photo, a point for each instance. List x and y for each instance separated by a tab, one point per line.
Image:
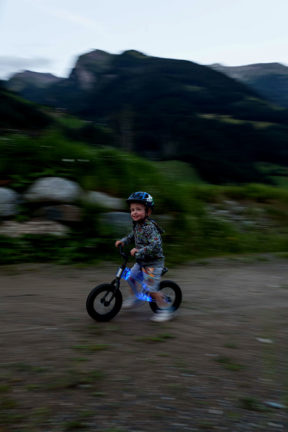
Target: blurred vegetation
192	230
190	136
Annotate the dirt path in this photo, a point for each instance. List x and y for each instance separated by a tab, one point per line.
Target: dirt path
214	367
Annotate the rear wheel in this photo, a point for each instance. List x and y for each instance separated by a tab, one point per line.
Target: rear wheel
172	294
103	302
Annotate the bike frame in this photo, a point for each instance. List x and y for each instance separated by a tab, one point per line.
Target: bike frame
121	269
141	295
105	293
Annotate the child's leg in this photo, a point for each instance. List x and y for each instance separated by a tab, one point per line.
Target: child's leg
152	276
135	275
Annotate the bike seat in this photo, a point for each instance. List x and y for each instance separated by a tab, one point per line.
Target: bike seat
165	270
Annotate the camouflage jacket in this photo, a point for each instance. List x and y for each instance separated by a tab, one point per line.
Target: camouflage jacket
147	238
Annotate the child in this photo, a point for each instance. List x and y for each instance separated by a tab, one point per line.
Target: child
148	252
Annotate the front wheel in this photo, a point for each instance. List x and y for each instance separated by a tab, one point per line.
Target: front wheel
173	296
104	302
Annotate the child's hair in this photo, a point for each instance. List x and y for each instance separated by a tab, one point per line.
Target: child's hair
142	198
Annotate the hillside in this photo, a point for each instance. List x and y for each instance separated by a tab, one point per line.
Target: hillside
101	82
270	80
174	109
28	84
17	114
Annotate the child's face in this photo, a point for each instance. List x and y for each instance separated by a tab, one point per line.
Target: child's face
137	211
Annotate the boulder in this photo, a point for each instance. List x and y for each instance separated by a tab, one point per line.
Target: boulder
8	202
104	200
60	212
53	189
17	229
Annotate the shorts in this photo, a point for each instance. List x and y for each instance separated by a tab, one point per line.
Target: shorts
150	275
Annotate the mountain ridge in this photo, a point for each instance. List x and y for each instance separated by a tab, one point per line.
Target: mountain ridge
174	109
270	80
17	114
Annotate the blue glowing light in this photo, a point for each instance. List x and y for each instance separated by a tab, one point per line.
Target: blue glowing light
126	273
142	295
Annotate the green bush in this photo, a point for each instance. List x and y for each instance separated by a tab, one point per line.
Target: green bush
191	232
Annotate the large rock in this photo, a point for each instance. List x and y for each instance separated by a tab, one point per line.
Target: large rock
104	200
53	189
8	202
16	229
60	212
89	68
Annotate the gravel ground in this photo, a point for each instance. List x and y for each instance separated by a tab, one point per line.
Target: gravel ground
220	365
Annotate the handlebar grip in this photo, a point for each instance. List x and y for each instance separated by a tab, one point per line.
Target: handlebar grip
122	253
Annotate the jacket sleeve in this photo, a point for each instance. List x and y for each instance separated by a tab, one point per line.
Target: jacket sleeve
128	239
154	244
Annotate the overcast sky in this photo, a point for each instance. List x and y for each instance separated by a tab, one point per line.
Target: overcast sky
49	35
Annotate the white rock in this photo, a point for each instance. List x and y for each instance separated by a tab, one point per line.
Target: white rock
53	189
8	202
275	405
263	340
215	411
16	229
275	425
104	200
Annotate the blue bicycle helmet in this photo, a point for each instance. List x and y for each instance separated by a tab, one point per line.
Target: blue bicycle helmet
142	198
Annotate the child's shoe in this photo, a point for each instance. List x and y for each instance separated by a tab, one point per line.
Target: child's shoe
131	302
162	315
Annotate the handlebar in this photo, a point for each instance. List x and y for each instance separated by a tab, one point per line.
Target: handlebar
122	253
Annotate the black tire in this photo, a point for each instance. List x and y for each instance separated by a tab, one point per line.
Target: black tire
173	293
95	303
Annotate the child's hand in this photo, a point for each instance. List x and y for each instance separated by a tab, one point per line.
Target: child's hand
133	251
118	243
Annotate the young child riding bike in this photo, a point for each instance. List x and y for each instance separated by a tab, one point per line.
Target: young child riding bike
148	252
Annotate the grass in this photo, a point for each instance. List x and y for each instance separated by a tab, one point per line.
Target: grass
7	403
192	232
8	411
11	418
33	387
75	379
80	359
229	363
74	425
230	345
5	388
251	404
233	415
155	339
22	367
178	171
206	425
99	394
113	429
39	416
180	363
92	348
11	412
